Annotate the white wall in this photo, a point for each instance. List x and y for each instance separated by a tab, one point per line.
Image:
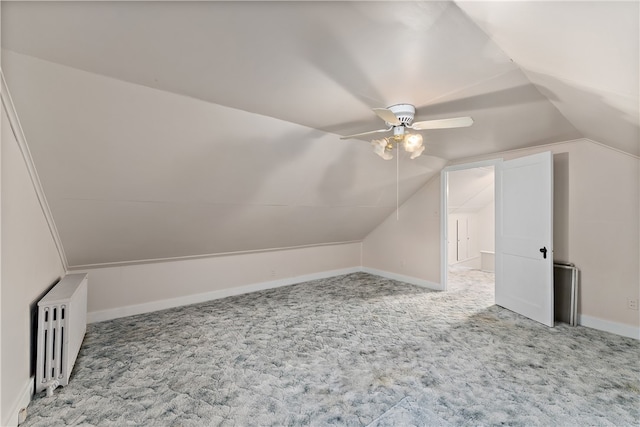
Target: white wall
603	231
132	289
469	231
410	245
487	228
30	265
596	226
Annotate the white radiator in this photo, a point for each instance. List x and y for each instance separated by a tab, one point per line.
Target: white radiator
62	323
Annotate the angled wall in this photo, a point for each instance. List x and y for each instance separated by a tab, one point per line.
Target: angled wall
135	174
407	243
125	290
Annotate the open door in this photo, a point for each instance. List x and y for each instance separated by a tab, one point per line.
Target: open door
524	236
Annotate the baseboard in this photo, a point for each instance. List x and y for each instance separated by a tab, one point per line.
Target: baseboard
131	310
609	326
402	278
103	315
466	261
22	401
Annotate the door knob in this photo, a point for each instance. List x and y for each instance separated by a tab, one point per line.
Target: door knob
544	252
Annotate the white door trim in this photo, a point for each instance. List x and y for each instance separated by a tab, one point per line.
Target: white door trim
444	209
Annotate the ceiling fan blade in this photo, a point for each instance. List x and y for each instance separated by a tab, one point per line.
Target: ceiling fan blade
457	122
387	115
365	133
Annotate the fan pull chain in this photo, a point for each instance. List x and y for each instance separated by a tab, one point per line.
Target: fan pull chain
397	185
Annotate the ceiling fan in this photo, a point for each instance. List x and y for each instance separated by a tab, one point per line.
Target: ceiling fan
399	118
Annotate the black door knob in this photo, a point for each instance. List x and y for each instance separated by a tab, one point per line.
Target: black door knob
544	252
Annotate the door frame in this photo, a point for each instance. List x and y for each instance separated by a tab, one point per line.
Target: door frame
444	209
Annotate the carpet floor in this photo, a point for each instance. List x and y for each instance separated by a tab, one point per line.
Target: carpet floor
354	350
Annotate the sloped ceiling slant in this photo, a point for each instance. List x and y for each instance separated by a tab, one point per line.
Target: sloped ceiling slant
167	129
583	56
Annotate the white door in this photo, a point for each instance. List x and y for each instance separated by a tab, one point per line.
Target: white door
524	236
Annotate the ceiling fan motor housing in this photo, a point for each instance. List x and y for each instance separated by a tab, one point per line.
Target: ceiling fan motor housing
404	112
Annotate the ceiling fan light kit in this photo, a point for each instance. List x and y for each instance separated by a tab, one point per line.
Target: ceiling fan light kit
417	153
381	148
399	118
412	142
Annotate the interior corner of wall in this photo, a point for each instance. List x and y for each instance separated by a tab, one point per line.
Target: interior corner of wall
10	415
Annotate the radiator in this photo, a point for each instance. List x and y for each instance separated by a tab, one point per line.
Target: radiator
565	296
62	323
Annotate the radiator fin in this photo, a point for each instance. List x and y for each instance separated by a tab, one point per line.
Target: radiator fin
62	324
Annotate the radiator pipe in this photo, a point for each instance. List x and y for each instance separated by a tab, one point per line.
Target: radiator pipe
52	386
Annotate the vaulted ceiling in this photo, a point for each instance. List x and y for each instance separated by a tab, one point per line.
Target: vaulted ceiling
169	129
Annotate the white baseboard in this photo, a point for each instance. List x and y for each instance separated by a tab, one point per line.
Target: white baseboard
402	278
22	401
115	313
609	326
466	261
131	310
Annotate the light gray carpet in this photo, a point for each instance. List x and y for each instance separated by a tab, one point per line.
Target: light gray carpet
354	350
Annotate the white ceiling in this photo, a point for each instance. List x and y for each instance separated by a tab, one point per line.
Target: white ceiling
163	129
582	56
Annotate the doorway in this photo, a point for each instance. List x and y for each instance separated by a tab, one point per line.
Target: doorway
468	229
523	224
